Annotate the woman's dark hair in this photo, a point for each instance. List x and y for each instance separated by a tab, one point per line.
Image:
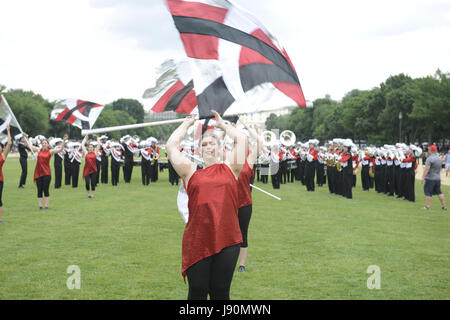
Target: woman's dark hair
2	145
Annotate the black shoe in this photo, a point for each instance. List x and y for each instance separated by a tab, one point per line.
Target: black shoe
444	208
21	187
241	269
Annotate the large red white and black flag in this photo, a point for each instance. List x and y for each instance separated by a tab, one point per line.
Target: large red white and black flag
79	113
237	65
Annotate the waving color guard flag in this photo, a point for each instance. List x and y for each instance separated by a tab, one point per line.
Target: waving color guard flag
174	88
237	65
79	113
7	117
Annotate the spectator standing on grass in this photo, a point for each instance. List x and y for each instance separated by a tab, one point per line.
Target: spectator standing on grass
432	178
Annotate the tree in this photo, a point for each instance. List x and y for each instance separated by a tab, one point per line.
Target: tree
131	106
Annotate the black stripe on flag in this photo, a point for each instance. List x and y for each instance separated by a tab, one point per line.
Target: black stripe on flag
176	99
212	28
216	96
254	74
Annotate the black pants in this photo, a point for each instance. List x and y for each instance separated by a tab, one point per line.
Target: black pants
173	175
43	185
320	174
330	178
91	180
67	172
265	173
115	170
389	180
1	193
347	183
275	174
58	172
283	172
310	170
145	170
213	275
409	184
397	180
154	171
99	169
104	171
128	169
23	176
244	214
75	173
365	178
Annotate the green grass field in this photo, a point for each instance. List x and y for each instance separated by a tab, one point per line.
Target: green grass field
127	243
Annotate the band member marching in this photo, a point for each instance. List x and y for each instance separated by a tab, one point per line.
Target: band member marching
116	160
154	163
146	160
58	162
346	161
77	157
130	148
311	164
105	150
67	165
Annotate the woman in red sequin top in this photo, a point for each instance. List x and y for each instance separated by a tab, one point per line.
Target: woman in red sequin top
212	238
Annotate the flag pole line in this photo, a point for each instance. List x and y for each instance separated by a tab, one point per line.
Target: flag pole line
130	126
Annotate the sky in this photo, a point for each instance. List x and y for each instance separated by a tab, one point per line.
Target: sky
103	50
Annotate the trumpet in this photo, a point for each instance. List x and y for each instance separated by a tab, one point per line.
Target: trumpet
338	166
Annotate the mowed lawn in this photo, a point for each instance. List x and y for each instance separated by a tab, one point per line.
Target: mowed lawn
127	243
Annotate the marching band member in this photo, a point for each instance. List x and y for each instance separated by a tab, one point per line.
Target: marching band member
212	238
389	177
283	164
346	161
397	161
4	151
154	163
98	160
264	160
146	160
130	148
67	164
366	164
23	152
331	166
275	158
409	180
77	156
90	165
292	163
105	150
311	164
57	162
42	172
116	160
355	163
320	179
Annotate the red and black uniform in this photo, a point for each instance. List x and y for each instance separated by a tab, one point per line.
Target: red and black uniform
389	186
410	165
310	169
245	201
90	170
42	173
154	164
355	164
116	160
130	148
58	165
365	178
212	237
77	157
105	150
146	161
347	174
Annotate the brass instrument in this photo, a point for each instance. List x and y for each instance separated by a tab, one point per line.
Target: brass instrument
287	138
371	173
269	138
338	166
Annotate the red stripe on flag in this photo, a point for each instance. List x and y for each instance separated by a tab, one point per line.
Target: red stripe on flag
249	56
188	103
161	104
196	10
71	119
200	46
293	91
62	114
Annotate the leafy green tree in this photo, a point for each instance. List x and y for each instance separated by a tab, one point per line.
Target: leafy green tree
131	106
